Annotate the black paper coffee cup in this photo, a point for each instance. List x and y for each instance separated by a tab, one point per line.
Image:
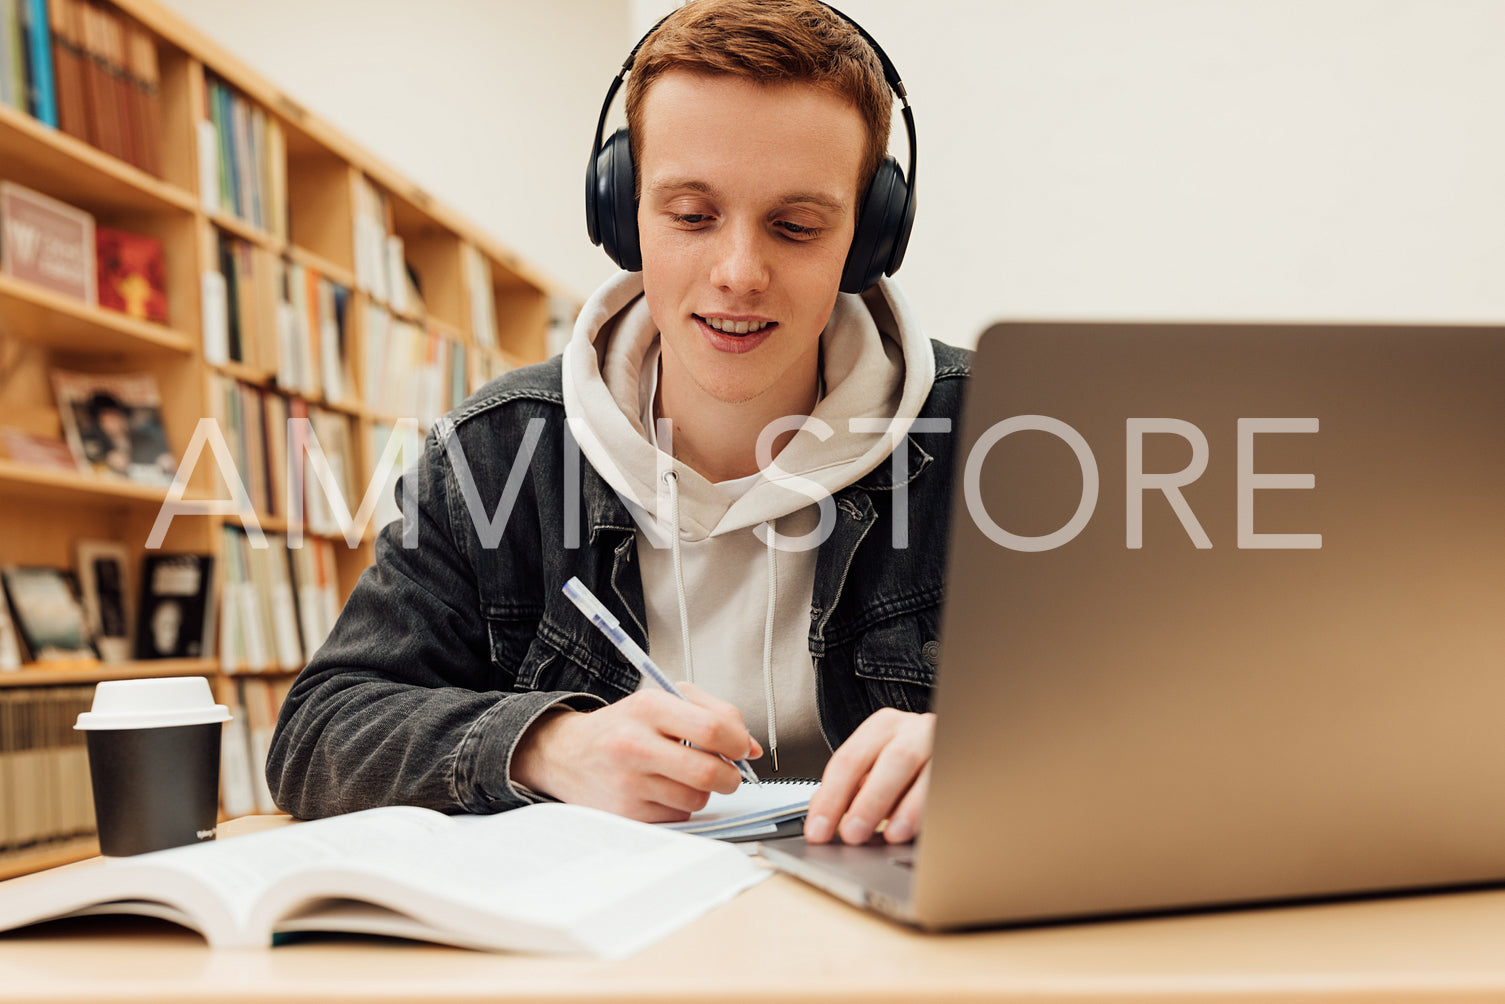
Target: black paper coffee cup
154	754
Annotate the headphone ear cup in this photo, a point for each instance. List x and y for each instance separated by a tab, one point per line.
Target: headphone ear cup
882	232
611	212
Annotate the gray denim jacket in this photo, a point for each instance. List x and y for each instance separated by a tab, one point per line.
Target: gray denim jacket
454	642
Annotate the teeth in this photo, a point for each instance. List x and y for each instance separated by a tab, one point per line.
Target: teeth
736	327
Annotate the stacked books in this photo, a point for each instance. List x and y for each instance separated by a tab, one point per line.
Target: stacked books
238	146
412	372
84	69
278	603
44	768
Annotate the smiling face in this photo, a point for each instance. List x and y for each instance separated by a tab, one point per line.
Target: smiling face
749	199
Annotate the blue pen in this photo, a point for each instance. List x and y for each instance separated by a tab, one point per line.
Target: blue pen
612	628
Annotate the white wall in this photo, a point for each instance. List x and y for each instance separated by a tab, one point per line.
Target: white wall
1312	159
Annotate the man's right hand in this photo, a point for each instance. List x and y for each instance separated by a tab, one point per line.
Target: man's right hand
627	757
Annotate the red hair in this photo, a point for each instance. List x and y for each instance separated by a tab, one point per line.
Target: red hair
767	41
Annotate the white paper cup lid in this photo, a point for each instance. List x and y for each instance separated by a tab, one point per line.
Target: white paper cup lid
152	704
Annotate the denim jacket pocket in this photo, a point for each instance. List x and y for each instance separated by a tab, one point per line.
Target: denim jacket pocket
587	665
510	632
897	660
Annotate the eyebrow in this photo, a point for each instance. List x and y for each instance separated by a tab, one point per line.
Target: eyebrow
691	185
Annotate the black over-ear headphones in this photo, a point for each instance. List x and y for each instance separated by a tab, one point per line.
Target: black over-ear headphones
883	223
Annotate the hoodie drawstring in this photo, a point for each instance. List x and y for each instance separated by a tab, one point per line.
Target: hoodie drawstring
773	590
672	479
679	574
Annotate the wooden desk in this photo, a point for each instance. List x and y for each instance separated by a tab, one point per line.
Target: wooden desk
783	942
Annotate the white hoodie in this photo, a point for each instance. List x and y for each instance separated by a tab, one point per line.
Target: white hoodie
740	599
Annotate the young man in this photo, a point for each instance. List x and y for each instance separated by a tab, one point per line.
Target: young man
763	500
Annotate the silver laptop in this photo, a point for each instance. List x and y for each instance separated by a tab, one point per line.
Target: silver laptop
1225	624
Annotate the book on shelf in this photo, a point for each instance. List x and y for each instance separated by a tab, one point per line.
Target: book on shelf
109	115
373	226
103	94
239	323
41	88
407	450
313	357
12	59
146	88
214	302
254	435
404	284
46	452
548	878
46	242
412	371
296	350
274	408
243	638
482	296
131	274
273	578
253	703
177	610
487	366
396	278
68	69
335	360
44	767
113	54
326	433
237	144
316	587
104	587
224	406
278	603
562	313
45	607
236	797
10	641
261	703
113	424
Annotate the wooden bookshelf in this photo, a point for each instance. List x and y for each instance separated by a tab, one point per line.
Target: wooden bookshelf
325	213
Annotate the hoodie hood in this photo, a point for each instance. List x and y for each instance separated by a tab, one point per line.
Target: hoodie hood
877	365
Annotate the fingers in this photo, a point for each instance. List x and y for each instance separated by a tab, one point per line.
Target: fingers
703	720
880	772
625	758
649	744
904	822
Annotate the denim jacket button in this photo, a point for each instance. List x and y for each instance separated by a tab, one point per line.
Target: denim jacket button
932	652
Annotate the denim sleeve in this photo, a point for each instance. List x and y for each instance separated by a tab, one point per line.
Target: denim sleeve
399	705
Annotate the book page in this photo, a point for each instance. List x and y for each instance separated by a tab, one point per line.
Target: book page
552	877
239	870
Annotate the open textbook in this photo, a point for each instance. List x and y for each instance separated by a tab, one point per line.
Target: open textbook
543	878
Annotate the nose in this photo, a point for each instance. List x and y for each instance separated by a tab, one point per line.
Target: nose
738	262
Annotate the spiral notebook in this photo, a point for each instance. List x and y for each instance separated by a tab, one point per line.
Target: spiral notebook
772	808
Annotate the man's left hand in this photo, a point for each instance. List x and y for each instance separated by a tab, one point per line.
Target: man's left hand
881	772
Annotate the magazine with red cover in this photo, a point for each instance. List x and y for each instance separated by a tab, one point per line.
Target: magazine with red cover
132	275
